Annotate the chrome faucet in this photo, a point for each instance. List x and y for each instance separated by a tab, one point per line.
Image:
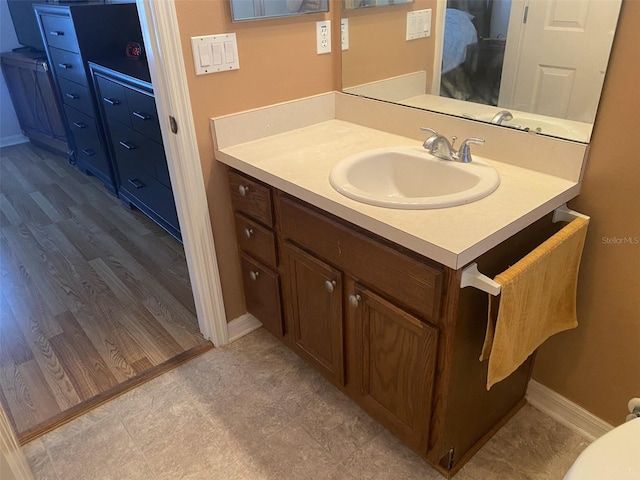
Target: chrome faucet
438	146
501	116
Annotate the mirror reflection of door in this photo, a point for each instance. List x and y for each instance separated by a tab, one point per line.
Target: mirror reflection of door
475	35
556	63
553	63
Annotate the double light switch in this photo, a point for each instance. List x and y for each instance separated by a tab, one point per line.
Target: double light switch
215	53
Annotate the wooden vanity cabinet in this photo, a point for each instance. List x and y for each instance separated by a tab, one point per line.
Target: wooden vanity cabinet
390	328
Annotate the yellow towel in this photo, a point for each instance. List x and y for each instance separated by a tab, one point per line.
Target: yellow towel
537	300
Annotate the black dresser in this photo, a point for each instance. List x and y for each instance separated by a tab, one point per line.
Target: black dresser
74	34
128	111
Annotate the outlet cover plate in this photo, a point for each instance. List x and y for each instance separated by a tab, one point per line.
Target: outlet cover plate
323	36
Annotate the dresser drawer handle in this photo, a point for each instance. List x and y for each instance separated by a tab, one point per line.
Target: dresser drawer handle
253	275
57	33
110	101
136	183
66	66
141	116
128	145
72	96
80	125
88	152
243	190
248	232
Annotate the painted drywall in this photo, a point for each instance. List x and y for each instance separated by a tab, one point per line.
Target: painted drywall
10	132
596	365
376	35
278	62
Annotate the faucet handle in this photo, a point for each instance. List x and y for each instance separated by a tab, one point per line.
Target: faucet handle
464	153
430	130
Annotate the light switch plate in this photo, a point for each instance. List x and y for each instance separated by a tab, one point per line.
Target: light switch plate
323	37
418	24
215	53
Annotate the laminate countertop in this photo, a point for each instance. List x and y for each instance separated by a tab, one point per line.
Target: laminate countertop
299	161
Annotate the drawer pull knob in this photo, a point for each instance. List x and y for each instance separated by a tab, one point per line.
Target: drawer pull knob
110	101
128	145
136	183
57	33
66	66
355	300
72	96
248	232
80	125
141	116
254	275
330	285
243	190
88	152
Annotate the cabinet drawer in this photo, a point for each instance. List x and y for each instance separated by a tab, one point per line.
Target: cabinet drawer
411	282
68	65
143	114
262	292
76	96
257	241
251	198
113	99
59	32
149	155
88	145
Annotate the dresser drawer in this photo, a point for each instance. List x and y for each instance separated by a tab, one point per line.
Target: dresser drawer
256	240
113	99
87	140
262	294
76	95
68	65
59	32
143	113
251	198
409	280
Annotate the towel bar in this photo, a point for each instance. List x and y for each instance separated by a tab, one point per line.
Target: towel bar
471	277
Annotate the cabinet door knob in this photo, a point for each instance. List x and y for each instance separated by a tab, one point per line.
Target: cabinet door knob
354	300
329	285
254	275
243	190
248	232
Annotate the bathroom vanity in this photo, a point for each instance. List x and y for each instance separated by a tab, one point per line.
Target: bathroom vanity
371	296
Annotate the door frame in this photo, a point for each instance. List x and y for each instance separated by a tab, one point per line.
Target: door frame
168	74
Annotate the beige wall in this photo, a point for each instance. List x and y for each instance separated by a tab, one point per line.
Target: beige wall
278	62
596	365
377	45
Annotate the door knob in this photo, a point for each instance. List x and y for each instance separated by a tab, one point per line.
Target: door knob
248	232
254	275
243	190
329	285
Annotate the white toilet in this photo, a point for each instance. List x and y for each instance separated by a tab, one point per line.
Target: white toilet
614	456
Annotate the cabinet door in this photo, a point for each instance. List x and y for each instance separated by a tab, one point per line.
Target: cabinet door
314	291
395	366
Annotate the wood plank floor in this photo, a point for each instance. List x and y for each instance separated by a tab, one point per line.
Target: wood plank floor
94	298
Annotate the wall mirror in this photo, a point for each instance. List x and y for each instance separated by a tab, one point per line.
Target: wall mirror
242	10
533	65
351	4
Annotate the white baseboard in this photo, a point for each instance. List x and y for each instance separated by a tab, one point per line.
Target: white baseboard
565	412
243	325
12	140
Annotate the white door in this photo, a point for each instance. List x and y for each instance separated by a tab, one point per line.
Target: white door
556	56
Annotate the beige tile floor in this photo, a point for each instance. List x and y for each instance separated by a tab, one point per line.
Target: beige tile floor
254	411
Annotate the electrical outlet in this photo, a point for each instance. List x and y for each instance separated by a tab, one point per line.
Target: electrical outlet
344	33
323	36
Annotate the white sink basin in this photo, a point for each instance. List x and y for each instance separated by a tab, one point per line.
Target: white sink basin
411	178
